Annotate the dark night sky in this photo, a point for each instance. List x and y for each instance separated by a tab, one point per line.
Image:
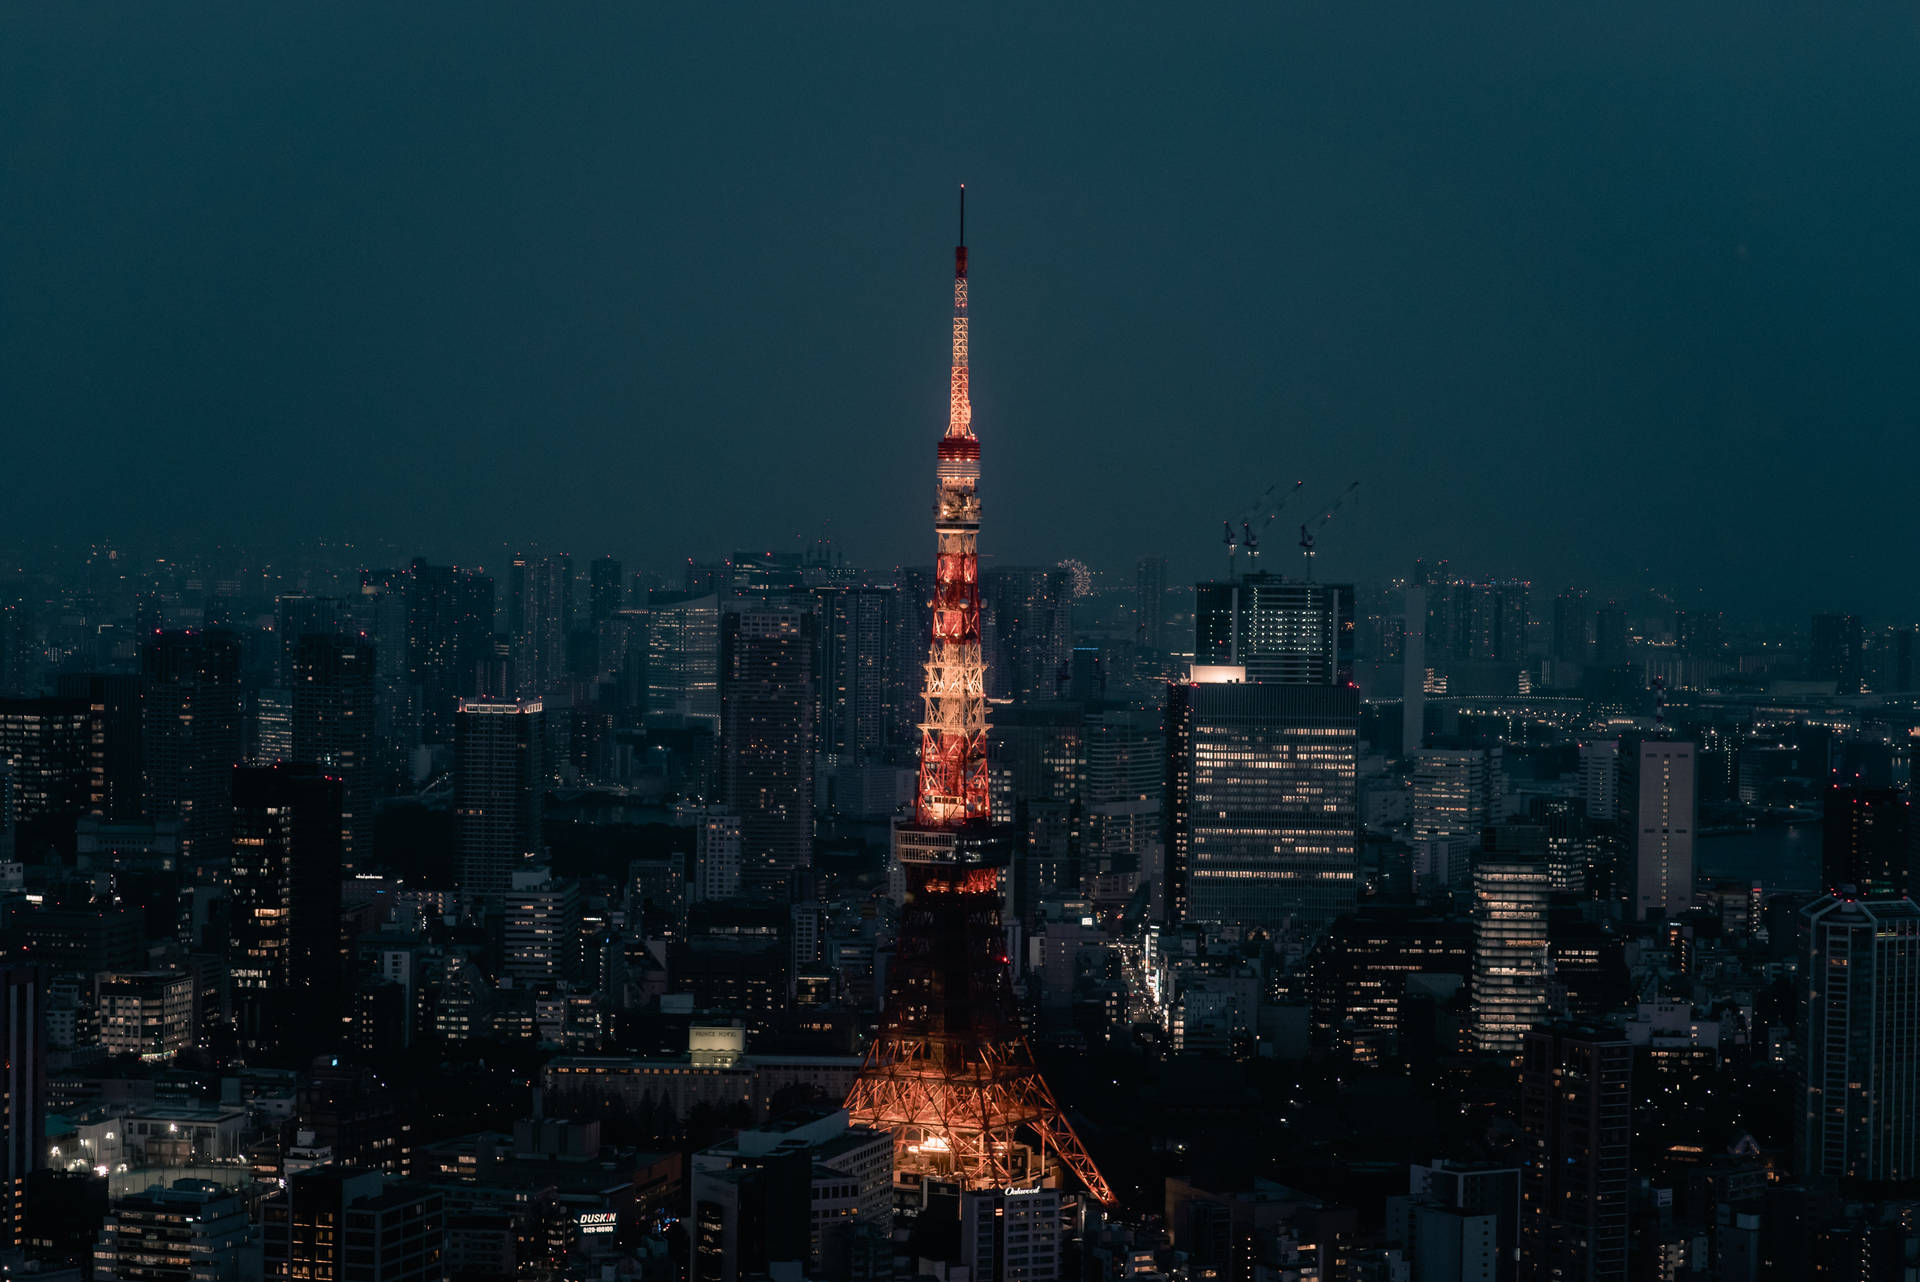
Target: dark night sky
1608	292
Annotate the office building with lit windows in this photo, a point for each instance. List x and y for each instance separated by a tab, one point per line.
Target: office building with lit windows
1655	806
767	701
23	1094
1262	803
286	905
1291	631
1576	1122
1860	1116
499	789
189	1231
1510	895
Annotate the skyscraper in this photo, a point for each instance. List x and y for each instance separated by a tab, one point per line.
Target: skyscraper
1860	1117
1150	602
1262	803
335	1224
1836	653
47	745
855	694
1656	815
333	721
23	1095
296	616
449	634
1026	631
1576	1120
499	790
193	731
114	786
1282	630
1864	841
286	907
1571	619
605	589
767	707
1510	894
683	658
539	617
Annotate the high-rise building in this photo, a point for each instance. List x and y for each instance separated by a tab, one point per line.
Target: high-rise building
148	1013
1150	602
115	791
1571	617
605	590
909	636
1837	652
1600	778
189	1231
855	694
1462	1222
683	658
333	722
297	616
336	1224
1656	815
285	954
1357	972
542	927
23	1094
1026	631
1012	1235
1124	791
193	732
1282	630
716	855
1864	841
449	635
767	703
47	744
1456	791
1262	804
1699	633
1576	1120
1510	895
499	792
1860	1116
539	618
1611	638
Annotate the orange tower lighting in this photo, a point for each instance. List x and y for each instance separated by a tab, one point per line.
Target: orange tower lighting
952	1075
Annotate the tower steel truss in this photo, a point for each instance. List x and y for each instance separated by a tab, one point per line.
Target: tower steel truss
952	1075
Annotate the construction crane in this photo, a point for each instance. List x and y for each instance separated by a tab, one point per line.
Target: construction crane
1248	537
1308	535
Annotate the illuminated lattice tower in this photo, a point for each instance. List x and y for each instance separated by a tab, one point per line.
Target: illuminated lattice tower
952	1074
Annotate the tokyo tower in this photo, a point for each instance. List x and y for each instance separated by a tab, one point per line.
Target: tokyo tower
952	1075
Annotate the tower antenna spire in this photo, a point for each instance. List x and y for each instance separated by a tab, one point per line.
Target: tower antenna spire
963	215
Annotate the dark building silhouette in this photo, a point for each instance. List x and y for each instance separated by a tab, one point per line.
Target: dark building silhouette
297	616
855	694
285	950
767	703
449	635
1571	617
114	788
193	732
605	589
539	618
1576	1119
499	787
333	692
1150	602
23	1095
1864	841
336	1224
1026	631
1610	648
1837	652
1357	972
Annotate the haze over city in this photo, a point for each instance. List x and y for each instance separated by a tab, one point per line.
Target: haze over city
1613	296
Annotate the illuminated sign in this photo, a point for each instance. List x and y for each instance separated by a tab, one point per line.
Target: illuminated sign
598	1221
